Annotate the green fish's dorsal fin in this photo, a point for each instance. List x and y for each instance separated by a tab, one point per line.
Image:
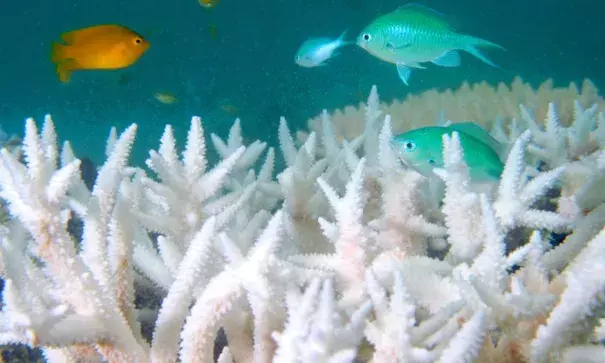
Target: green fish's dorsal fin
421	8
422	13
479	133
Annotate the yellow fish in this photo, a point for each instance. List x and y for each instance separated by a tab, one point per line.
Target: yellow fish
208	4
97	47
229	109
165	98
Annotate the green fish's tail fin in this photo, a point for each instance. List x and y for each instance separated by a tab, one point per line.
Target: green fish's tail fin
472	44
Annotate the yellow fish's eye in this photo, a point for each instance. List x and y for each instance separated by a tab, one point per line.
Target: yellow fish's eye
409	146
367	37
138	40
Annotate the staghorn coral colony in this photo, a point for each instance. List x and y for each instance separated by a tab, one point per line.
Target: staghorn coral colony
345	255
479	102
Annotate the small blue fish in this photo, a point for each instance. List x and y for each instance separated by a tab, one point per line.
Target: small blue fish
315	52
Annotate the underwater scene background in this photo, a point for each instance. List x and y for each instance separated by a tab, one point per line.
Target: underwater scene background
237	60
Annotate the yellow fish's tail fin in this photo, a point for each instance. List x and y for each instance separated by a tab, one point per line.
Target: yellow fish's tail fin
64	70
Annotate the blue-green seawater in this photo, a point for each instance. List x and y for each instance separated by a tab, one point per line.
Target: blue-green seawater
249	69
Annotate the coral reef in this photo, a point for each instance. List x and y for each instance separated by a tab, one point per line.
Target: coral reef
344	255
480	102
13	144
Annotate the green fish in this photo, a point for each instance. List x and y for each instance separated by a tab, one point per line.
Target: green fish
422	150
414	34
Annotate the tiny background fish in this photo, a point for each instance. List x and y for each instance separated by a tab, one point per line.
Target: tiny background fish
316	51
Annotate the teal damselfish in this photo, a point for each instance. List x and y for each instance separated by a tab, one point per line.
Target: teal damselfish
414	34
422	150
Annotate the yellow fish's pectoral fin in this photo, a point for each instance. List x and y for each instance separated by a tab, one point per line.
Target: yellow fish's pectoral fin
90	32
64	70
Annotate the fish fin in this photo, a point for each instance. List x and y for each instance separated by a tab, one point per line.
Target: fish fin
448	59
341	37
442	121
57	53
478	54
420	7
93	31
404	72
479	133
495	174
415	65
474	42
478	42
392	47
64	70
440	19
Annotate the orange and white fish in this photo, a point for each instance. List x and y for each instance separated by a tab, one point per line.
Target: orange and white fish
97	47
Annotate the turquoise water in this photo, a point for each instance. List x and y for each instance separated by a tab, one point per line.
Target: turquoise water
249	67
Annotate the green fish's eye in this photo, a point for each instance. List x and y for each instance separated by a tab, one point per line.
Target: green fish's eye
367	37
409	145
432	162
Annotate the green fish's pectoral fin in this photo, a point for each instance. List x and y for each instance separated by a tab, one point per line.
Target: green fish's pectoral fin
392	47
415	65
404	72
479	133
448	59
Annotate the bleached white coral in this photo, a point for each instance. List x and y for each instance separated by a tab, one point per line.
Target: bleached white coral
333	260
